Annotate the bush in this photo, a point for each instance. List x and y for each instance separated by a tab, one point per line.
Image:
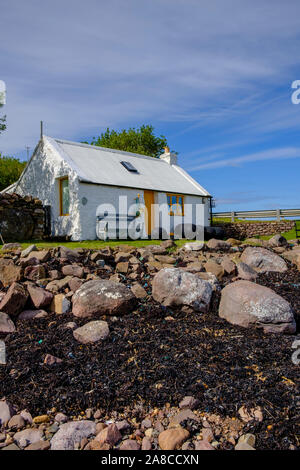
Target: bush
10	170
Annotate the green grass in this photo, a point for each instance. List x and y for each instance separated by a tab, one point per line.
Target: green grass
97	244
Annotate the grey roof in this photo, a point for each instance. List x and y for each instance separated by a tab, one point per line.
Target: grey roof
103	166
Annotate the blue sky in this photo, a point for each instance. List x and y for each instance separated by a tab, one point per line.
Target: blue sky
213	76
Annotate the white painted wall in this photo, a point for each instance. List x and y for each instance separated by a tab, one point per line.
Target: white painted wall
41	180
107	196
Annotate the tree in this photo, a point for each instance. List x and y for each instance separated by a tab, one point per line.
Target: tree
2	124
141	140
10	170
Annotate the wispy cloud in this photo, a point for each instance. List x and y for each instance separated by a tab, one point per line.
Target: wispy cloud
271	154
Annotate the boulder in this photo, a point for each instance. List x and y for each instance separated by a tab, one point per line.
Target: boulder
11	246
30	314
228	265
214	244
28	436
246	272
293	256
176	287
75	283
194	267
41	256
277	240
68	254
6	412
130	444
39	296
9	273
234	242
138	291
57	284
6	325
28	250
193	246
189	402
247	304
211	278
122	267
103	298
92	332
214	268
263	260
203	445
72	270
34	273
16	422
71	433
109	435
14	300
171	439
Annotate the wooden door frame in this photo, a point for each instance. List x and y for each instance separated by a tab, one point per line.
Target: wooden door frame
149	201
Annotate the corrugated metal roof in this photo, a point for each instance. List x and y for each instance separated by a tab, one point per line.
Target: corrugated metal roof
103	166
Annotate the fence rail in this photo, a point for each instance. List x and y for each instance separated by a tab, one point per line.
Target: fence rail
264	214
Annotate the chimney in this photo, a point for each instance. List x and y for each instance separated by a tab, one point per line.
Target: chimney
169	157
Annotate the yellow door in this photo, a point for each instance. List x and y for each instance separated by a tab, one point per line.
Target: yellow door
149	200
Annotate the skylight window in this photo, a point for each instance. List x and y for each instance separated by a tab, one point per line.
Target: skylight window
129	167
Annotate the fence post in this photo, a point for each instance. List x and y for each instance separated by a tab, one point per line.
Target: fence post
278	215
232	216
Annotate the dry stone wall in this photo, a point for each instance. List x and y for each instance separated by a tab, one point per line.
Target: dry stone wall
21	218
249	230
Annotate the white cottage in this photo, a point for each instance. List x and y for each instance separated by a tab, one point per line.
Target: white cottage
83	183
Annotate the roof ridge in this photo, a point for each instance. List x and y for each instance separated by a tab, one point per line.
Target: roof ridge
106	149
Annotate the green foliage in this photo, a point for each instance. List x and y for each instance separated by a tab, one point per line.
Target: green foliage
10	170
141	140
2	124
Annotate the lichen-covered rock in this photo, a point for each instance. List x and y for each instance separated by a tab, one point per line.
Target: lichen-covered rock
176	287
102	298
248	304
263	260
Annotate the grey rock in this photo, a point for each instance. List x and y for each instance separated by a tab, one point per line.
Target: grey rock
71	433
28	250
175	287
263	260
27	436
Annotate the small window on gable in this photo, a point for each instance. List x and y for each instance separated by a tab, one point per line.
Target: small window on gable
176	204
64	196
129	167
